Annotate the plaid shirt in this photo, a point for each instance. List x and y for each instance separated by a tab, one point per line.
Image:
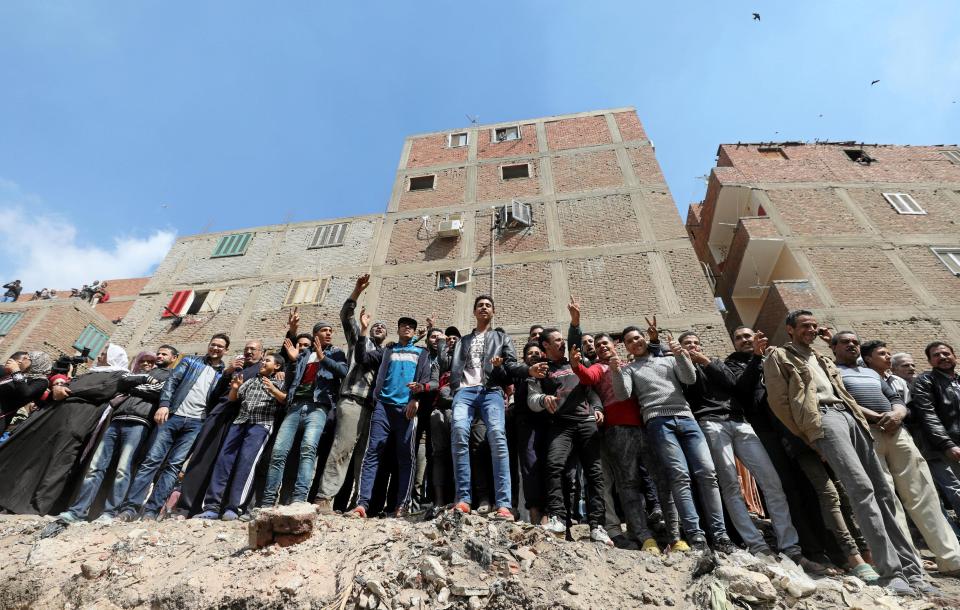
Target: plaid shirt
257	405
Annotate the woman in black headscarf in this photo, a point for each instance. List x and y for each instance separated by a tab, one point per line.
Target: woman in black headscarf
41	461
22	385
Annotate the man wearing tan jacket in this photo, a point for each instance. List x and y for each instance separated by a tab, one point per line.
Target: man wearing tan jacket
806	393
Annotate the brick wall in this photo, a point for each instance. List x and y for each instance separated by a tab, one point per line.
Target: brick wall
910	335
293	254
815	212
861	277
662	214
523	295
411	242
525	146
527	240
491	187
941	212
415	295
448	189
577	133
51	326
932	273
589	221
630	127
599	284
689	280
433	150
645	166
575	173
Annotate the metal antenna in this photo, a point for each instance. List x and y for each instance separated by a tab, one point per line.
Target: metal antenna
474	119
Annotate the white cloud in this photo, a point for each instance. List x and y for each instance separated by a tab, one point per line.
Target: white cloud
41	249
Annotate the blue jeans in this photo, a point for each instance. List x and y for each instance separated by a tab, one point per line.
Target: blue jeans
493	412
389	420
122	436
679	441
172	444
7	299
312	417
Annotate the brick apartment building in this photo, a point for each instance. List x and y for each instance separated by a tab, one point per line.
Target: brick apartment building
865	236
65	325
583	210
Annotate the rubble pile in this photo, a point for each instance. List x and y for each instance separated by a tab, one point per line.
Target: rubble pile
294	558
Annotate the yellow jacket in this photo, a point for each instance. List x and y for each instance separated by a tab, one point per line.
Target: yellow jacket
792	393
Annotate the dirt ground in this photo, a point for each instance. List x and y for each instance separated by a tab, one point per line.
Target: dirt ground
452	562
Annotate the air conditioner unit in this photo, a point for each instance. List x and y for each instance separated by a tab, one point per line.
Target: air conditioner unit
517	215
452	227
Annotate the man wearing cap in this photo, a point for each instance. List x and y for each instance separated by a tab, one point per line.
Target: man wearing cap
355	405
403	375
311	393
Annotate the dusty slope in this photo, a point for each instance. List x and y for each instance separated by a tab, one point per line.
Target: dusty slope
456	562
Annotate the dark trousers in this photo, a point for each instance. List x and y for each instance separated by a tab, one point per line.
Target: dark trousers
582	437
389	421
235	467
533	442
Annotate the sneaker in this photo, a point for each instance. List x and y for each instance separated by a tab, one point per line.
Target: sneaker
127	517
598	534
150	517
650	546
699	543
679	546
229	515
67	517
104	519
483	509
245	517
899	587
324	506
925	588
555	526
724	545
358	513
207	514
866	573
503	514
462	507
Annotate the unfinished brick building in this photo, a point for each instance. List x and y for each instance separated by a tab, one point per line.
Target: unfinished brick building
865	236
580	206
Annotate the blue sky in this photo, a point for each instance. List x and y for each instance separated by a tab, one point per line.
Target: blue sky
235	114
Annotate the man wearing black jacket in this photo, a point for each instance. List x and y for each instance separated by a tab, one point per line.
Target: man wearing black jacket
132	420
731	437
936	402
576	411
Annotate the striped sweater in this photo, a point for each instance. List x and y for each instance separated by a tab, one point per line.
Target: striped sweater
656	384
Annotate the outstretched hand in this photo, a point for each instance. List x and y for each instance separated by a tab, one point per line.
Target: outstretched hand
760	343
652	333
574	308
293	321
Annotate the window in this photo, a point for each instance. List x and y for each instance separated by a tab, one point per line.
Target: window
92	338
306	292
859	155
953	155
949	257
456	140
232	245
452	279
421	183
772	152
509	172
328	235
517	215
903	203
206	301
504	134
7	320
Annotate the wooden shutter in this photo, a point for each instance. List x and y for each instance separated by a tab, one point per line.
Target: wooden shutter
329	235
93	338
212	302
232	245
7	320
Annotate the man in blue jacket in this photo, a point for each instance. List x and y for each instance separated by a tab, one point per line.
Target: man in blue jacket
311	393
184	402
403	374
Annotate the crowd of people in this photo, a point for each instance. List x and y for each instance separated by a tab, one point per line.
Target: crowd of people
855	459
97	291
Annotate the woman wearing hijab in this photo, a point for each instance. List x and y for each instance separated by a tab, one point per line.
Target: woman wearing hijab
25	381
41	460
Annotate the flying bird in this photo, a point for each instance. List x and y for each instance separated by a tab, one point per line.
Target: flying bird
874	82
756	16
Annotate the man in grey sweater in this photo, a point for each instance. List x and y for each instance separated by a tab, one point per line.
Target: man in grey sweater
656	384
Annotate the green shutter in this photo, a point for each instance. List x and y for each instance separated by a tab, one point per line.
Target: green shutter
91	337
232	245
7	320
